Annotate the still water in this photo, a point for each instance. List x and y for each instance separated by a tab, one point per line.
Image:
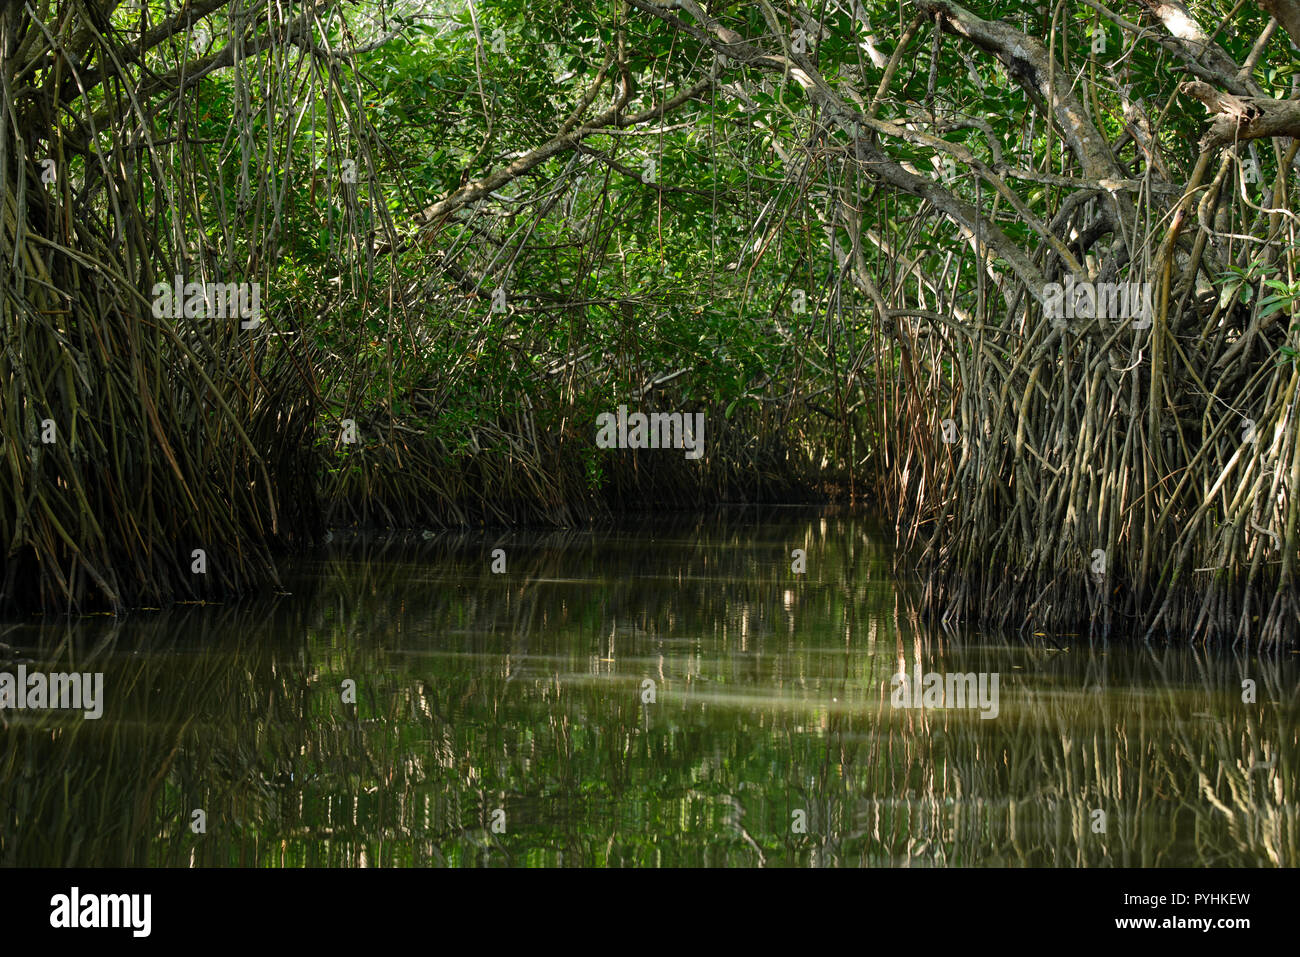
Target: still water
662	692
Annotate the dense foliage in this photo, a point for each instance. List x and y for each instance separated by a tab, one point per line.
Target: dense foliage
832	227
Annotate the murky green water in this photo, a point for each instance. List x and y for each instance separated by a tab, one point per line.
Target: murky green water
506	719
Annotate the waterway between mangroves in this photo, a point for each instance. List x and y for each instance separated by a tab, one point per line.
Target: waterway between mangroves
662	691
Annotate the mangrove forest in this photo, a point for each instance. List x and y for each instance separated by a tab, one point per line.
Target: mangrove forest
574	422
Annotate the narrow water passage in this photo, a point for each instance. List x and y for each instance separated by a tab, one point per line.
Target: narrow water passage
668	691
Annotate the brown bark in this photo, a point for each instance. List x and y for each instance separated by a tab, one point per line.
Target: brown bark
1239	118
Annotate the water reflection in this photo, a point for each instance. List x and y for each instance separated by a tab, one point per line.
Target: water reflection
504	720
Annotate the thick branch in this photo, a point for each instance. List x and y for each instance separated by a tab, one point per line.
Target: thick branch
1287	13
1243	117
1028	62
1195	42
836	111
